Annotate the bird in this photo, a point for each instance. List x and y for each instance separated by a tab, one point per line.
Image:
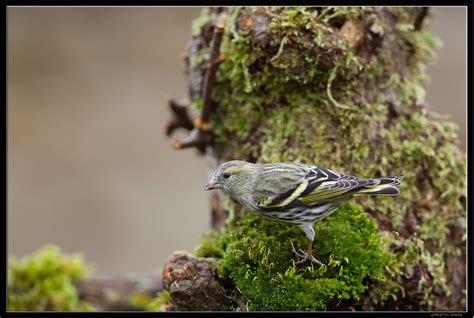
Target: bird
295	193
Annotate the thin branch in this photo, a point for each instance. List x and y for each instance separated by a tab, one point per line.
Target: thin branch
200	136
196	138
180	117
419	17
214	59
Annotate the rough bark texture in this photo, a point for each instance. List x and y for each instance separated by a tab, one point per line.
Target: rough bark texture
193	284
342	88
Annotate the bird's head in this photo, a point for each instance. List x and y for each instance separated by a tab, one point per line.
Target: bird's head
233	178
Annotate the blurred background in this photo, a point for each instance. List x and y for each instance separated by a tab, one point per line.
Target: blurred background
89	168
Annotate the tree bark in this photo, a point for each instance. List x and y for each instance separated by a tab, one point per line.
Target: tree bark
341	87
194	284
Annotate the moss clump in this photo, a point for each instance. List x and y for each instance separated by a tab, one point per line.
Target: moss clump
258	259
45	281
156	303
207	246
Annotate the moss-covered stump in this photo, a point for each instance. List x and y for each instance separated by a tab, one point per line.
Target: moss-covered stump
342	88
256	255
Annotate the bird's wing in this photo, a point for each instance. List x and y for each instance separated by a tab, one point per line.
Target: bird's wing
308	187
279	184
333	189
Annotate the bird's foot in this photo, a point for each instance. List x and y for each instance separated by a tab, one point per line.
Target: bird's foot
304	256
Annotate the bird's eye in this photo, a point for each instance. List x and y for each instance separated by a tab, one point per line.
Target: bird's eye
226	175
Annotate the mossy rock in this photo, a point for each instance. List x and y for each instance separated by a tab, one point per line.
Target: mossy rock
257	257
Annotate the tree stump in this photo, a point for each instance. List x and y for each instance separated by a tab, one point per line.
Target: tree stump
341	88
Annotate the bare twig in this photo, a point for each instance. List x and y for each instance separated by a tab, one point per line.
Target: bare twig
214	59
180	117
200	136
419	17
197	138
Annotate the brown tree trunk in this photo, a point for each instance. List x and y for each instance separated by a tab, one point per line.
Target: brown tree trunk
340	88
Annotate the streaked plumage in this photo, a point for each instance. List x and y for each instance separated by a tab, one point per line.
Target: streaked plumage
294	193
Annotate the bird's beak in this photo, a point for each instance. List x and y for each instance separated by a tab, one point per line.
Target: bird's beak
212	185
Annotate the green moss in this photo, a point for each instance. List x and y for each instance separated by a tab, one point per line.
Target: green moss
204	19
45	281
258	258
207	245
142	301
309	97
161	298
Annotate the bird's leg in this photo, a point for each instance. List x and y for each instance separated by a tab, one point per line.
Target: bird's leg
306	256
310	247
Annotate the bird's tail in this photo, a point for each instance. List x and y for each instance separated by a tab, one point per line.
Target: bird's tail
384	186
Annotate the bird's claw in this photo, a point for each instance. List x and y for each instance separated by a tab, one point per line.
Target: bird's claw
307	257
300	253
304	256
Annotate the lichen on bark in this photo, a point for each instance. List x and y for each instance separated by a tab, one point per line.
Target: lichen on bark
342	88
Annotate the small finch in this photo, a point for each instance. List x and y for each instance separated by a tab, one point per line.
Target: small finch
294	193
